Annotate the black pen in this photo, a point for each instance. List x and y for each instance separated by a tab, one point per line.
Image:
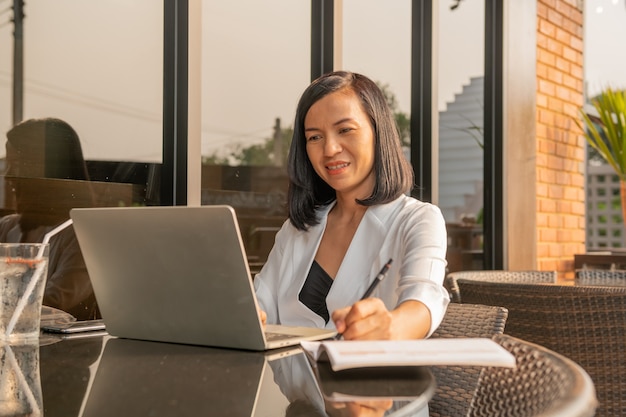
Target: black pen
381	275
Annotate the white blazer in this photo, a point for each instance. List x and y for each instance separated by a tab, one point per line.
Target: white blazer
411	232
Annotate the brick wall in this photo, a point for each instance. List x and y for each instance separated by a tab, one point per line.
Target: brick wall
560	146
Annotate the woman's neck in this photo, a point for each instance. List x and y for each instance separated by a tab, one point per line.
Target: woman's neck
347	211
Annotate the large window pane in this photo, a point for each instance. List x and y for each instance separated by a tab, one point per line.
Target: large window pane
383	52
604	32
460	74
97	66
255	64
91	133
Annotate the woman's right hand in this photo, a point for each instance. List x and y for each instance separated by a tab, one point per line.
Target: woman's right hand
263	317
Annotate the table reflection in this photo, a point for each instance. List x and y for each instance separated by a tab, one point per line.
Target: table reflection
20	386
67	369
105	377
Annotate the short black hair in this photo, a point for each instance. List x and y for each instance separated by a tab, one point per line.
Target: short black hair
393	172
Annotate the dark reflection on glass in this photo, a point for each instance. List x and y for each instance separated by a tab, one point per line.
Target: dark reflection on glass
38	150
65	374
138	378
45	177
134	377
365	392
259	196
20	386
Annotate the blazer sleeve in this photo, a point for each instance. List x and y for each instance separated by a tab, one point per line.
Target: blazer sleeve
424	265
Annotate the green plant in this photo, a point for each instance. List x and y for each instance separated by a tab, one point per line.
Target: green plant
606	132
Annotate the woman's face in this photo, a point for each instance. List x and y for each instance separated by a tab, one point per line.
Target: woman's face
340	144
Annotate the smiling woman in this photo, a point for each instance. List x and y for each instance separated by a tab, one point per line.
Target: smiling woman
348	214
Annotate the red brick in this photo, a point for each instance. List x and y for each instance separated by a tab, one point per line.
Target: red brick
547	265
548	206
565	205
562	64
541	190
555	192
542	10
542	250
570	193
554	222
554	17
562	36
578	207
563	7
576	72
554	75
570	222
554	104
576	44
556	251
546	57
549	3
547	28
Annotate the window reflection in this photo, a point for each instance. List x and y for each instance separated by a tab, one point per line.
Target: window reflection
92	134
46	176
79	70
461	108
255	63
383	54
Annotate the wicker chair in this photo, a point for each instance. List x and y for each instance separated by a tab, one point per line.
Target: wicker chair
601	277
521	277
585	324
472	320
455	384
544	383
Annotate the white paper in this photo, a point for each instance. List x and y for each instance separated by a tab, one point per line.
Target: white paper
345	354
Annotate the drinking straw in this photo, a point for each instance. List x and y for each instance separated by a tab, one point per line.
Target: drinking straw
21	304
22	380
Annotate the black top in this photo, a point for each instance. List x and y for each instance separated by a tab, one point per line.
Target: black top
315	289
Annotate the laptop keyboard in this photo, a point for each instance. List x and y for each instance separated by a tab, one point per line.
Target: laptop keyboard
269	336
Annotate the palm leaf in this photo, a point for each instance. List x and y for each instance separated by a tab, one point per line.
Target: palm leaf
607	132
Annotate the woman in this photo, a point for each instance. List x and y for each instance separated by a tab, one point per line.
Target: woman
42	156
348	215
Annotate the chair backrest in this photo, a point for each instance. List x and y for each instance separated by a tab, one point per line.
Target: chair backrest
544	383
601	277
472	320
520	277
585	324
456	384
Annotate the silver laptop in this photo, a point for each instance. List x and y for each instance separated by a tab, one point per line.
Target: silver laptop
176	274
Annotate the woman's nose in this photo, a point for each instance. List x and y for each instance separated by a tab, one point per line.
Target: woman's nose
332	146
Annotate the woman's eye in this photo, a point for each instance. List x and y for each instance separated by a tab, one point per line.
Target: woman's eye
313	138
345	130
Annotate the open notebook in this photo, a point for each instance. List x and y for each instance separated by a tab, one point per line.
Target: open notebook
176	274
